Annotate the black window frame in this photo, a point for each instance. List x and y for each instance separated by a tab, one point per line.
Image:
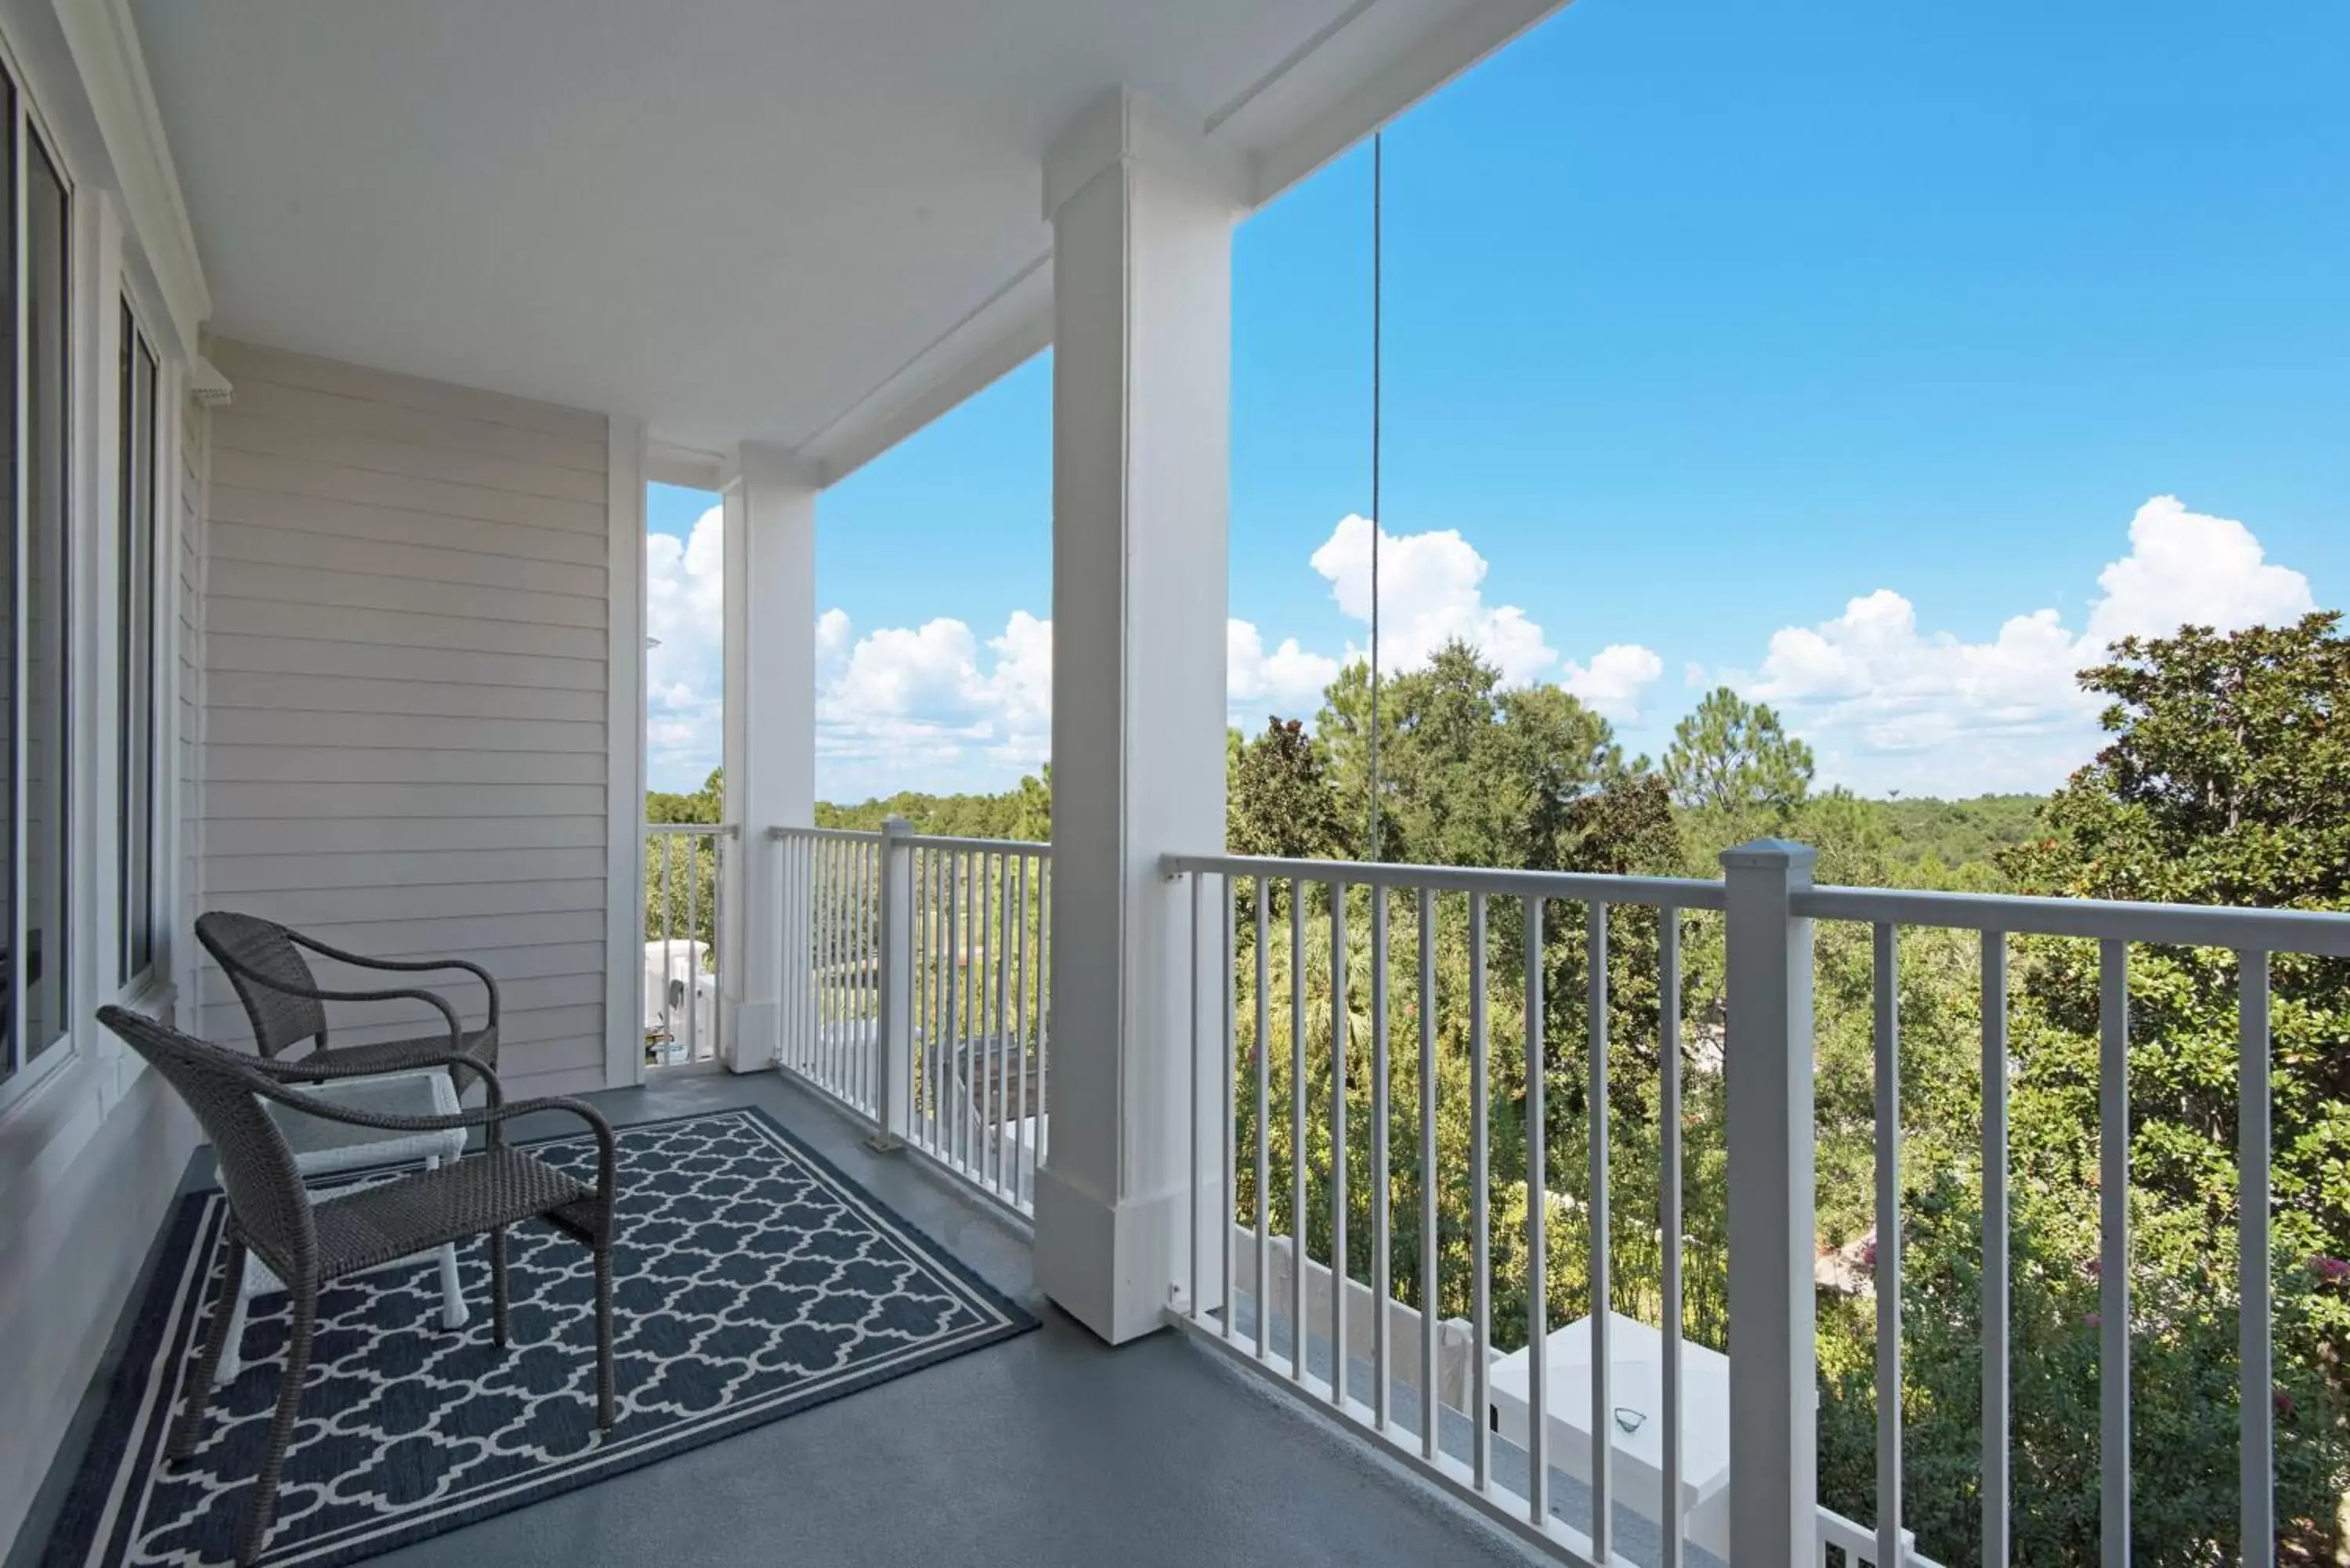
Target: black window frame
137	649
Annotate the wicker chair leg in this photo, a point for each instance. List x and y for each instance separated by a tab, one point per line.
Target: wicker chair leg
281	1427
498	1286
605	1394
190	1425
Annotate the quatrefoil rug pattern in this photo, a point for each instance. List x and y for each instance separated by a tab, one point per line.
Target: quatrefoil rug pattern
753	1281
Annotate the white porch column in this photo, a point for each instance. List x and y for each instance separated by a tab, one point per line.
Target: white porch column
1142	215
770	716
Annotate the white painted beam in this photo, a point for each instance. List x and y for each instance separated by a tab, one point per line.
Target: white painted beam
1372	63
1359	78
104	43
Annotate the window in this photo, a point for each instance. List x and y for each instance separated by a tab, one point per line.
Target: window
135	646
33	641
11	508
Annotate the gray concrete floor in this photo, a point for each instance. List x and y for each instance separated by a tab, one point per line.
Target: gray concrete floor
1048	1449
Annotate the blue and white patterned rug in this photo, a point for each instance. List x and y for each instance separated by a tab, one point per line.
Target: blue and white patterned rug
752	1282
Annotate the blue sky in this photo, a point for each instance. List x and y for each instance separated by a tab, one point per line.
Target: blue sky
1842	352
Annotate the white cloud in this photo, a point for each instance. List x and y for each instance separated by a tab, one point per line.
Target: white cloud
1019	689
1613	683
1884	702
909	707
920	705
684	671
2186	567
1288	681
921	673
900	701
1431	590
1890	707
832	639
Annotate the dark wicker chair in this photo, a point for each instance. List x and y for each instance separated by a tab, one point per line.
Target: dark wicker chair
307	1243
283	997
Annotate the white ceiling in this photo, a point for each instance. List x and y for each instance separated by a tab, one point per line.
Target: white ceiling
785	220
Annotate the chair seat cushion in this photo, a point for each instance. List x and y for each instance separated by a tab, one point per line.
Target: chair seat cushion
392	1056
417	1214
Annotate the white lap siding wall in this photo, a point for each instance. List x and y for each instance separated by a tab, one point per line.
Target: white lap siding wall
405	678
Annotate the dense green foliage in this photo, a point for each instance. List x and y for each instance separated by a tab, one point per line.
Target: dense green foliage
706	804
1025	812
1960	832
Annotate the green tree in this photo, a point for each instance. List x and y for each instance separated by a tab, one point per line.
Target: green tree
1471	774
707	804
2225	782
1732	758
2222	783
1277	800
1024	813
1031	817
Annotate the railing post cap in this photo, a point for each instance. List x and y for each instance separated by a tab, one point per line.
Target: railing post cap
1769	854
896	826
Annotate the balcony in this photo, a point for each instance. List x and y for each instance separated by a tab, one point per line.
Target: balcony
353	494
914	1054
1051	1449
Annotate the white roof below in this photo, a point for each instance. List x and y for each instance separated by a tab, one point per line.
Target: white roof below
1636	1395
813	225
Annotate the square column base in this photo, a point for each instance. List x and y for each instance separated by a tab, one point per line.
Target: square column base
1105	1263
751	1033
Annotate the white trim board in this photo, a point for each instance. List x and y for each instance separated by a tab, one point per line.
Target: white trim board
104	42
624	745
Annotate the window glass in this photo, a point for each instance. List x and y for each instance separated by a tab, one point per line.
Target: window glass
10	511
135	650
44	748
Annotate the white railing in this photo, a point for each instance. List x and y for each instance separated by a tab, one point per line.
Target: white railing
1258	988
2256	937
685	891
1858	1545
831	886
1457	908
920	1002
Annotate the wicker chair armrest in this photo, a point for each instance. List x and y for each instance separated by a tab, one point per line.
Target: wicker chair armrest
403	965
493	1117
440	1003
325	1069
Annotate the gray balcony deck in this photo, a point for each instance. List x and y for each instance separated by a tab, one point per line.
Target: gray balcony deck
1048	1449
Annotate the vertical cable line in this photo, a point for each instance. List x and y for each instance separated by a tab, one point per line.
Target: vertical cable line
1378	233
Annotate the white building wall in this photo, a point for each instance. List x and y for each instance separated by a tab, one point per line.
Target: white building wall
405	683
